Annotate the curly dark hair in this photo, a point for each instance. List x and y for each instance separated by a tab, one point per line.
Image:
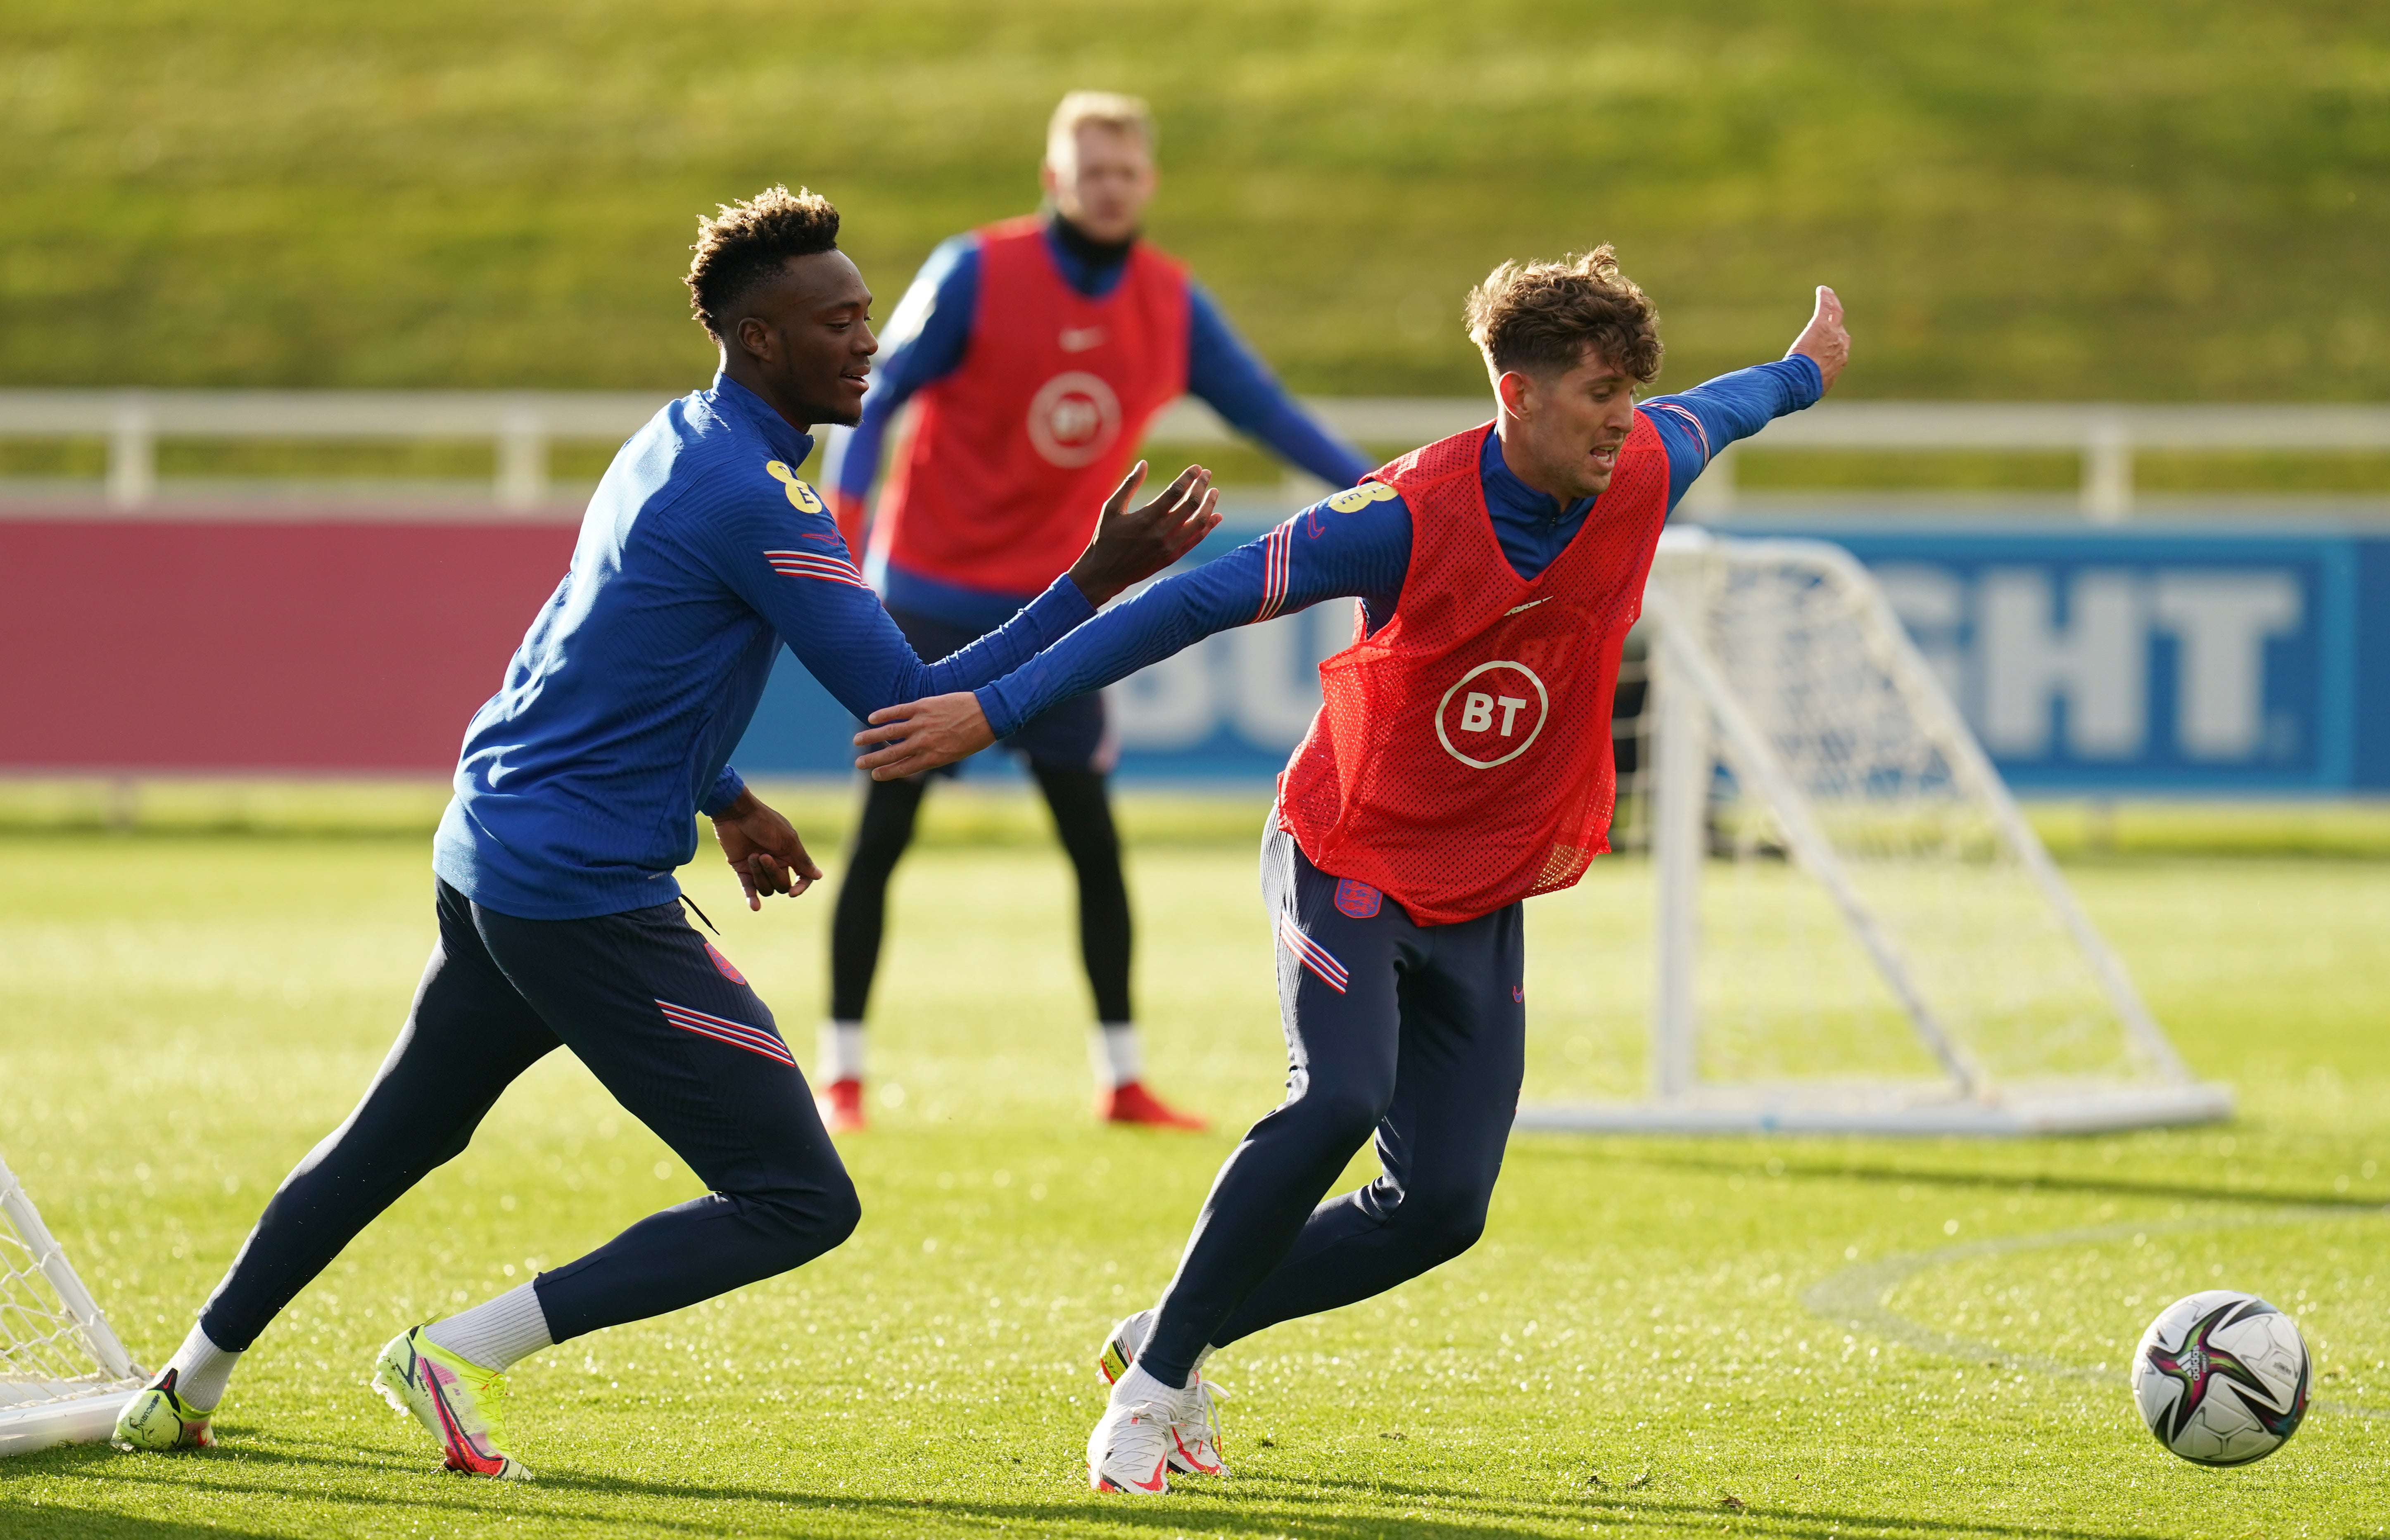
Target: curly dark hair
747	241
1540	317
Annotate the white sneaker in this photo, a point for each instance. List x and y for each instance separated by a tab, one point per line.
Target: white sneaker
1194	1436
1129	1450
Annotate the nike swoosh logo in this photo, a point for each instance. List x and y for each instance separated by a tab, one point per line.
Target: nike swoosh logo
1155	1484
464	1450
1529	605
1080	339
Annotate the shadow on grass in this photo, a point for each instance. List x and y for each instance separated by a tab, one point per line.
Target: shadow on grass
241	1447
82	1523
1284	1505
2010	1182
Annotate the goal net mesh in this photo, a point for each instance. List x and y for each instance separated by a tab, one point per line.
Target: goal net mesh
49	1354
1867	908
1785	986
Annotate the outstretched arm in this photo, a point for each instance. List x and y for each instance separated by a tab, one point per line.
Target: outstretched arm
1359	549
1226	375
785	557
1698	425
1825	341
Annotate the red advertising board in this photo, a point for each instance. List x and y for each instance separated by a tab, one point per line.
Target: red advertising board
332	644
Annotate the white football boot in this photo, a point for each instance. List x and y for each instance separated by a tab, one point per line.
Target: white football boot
1129	1450
1194	1437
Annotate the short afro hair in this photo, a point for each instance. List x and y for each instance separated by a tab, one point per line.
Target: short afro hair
747	241
1540	317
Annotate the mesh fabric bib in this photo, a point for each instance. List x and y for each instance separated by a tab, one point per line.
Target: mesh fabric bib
1009	458
1461	758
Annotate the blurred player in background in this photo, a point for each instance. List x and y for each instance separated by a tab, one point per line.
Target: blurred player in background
1459	763
1035	351
559	917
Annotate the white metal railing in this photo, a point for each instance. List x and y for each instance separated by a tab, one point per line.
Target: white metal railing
2105	434
522	425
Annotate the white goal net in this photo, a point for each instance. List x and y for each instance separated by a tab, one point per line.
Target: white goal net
1851	925
63	1374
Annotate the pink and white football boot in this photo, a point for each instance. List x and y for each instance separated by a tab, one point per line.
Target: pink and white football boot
1194	1434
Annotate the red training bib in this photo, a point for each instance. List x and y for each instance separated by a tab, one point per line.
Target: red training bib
1461	758
1009	457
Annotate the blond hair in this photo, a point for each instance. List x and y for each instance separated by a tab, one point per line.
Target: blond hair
1542	318
1101	109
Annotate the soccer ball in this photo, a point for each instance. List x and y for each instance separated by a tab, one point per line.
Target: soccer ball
2221	1378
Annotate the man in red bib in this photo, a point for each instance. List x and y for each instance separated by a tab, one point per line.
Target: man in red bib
1033	352
1460	762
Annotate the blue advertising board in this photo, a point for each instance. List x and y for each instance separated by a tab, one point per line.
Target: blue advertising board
2148	661
2145	661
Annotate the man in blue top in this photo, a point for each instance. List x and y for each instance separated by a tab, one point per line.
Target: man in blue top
576	796
1032	352
1406	834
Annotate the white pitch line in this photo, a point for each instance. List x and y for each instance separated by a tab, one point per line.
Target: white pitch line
1855	1296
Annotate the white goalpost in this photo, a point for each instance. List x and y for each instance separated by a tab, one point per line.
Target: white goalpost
63	1374
1853	927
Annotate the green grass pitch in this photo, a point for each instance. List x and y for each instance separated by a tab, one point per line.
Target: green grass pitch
1654	1337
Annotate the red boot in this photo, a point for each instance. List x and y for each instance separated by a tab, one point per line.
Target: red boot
1131	1103
841	1105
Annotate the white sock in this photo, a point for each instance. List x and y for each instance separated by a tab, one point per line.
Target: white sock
1152	1314
496	1334
203	1370
842	1052
1117	1054
1136	1385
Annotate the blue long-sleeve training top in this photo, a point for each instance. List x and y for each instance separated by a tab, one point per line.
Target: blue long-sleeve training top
931	329
1364	555
580	781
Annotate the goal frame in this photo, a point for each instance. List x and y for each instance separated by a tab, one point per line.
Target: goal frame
1697	721
43	1414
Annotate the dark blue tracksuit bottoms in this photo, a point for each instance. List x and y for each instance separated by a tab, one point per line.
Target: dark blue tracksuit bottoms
665	1024
1415	1034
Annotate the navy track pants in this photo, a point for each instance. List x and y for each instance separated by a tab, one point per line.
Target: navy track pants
665	1024
1415	1034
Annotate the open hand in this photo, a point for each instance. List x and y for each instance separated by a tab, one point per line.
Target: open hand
1824	338
763	848
1130	547
922	734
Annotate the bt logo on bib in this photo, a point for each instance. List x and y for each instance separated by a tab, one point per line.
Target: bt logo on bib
1074	418
1492	714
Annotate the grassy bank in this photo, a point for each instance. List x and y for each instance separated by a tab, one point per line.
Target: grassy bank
2019	200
